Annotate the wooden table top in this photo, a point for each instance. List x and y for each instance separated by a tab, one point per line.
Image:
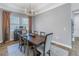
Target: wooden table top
37	40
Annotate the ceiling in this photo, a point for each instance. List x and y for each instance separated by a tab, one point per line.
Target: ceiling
23	8
75	8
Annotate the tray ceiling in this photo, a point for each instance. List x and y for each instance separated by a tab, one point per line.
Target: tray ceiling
37	8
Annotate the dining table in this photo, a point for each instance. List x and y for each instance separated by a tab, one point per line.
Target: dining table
35	40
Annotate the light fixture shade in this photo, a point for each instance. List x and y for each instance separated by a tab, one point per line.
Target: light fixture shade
29	12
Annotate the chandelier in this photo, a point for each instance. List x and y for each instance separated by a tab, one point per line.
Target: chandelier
29	11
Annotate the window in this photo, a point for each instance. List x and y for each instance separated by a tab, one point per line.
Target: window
24	22
14	23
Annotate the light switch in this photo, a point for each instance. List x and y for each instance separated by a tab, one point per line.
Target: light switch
64	29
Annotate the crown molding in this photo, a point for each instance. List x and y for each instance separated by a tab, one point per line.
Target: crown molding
50	8
13	8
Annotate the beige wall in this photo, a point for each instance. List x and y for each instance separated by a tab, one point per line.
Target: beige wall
57	21
1	26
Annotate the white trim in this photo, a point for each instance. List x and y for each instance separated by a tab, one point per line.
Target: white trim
47	8
1	41
4	6
19	10
50	8
61	44
73	39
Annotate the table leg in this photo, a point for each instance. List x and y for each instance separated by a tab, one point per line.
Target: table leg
35	51
27	48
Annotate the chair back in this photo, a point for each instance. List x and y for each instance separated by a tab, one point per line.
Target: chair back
24	31
35	33
48	39
42	33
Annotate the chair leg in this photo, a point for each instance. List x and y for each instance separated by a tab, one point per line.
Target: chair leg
38	53
20	48
43	54
24	48
33	50
49	52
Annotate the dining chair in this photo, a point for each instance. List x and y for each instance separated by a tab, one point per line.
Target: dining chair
24	31
35	33
42	33
24	43
45	48
21	41
18	33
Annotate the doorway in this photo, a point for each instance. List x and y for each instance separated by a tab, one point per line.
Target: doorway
76	27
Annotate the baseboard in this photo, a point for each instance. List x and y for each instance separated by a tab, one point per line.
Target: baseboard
60	45
73	39
1	42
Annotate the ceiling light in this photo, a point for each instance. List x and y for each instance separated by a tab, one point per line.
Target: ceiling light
29	11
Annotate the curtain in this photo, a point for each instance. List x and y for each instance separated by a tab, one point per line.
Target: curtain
6	26
30	24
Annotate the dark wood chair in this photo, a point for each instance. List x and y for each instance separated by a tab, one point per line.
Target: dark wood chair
45	48
42	33
21	41
35	33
